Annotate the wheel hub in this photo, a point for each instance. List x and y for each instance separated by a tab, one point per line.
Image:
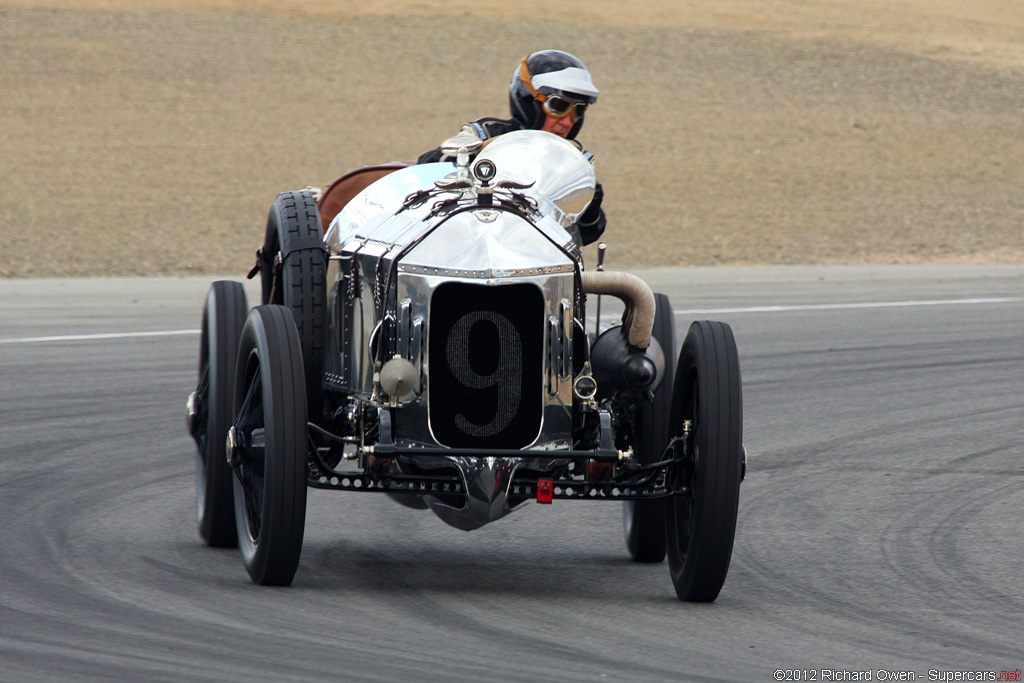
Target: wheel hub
234	447
191	408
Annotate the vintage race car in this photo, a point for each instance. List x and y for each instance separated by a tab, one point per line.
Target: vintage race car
422	334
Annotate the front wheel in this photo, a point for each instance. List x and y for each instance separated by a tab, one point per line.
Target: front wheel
267	446
707	408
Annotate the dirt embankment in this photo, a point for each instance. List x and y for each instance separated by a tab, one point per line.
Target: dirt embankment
152	139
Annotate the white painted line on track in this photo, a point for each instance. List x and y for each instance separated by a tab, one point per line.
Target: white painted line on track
94	337
695	311
840	307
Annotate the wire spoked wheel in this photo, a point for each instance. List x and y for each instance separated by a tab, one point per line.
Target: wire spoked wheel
267	446
707	412
209	411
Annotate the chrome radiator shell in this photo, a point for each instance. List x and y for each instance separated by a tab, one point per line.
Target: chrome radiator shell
388	261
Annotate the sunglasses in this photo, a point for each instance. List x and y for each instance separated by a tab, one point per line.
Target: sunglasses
555	106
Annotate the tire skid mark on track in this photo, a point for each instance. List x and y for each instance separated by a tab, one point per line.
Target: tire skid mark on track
939	556
832	599
161	589
918	503
471	602
927	521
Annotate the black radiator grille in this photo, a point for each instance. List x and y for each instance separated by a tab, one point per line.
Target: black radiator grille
486	365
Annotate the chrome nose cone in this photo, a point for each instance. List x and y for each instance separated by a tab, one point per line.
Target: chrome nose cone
487	482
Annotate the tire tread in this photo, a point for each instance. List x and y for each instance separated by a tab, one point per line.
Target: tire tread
699	570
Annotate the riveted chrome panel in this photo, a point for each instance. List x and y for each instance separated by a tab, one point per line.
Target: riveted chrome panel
505	247
403	332
565	334
412	426
489	274
373	214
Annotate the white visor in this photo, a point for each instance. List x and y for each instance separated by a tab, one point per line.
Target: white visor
569	80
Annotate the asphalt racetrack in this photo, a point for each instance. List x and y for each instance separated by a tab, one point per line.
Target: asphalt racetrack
880	523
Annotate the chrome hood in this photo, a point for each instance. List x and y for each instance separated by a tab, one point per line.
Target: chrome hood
561	177
485	243
557	176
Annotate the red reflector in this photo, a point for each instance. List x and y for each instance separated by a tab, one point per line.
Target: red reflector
545	490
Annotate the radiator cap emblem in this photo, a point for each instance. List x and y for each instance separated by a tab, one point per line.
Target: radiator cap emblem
485	170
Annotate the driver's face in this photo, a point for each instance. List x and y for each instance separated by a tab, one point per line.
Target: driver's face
559	127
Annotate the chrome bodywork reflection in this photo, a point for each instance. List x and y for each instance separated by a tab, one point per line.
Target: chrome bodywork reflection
563	180
487	482
382	245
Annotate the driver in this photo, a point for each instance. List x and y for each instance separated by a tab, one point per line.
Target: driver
551	91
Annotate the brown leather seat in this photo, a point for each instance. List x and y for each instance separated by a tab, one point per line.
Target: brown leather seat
342	190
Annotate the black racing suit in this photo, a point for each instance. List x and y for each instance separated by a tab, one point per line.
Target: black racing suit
591	222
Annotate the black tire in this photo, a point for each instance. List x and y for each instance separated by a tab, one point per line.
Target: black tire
223	317
295	238
702	525
270	482
643	522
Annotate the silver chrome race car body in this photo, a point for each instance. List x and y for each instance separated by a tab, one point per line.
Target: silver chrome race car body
422	333
489	252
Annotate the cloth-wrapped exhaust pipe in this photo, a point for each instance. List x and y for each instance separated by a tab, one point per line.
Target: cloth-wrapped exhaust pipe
633	292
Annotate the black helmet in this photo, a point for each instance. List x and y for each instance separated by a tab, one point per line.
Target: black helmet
550	73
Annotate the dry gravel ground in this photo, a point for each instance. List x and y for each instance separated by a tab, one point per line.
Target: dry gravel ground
152	137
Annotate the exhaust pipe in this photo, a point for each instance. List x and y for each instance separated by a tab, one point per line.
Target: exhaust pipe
633	292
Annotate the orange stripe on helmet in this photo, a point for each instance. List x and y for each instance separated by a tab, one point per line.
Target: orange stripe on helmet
527	79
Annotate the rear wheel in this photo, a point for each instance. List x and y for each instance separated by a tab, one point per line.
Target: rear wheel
294	275
643	521
268	446
707	409
210	411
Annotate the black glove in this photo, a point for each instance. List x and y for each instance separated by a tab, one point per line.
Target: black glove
591	222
